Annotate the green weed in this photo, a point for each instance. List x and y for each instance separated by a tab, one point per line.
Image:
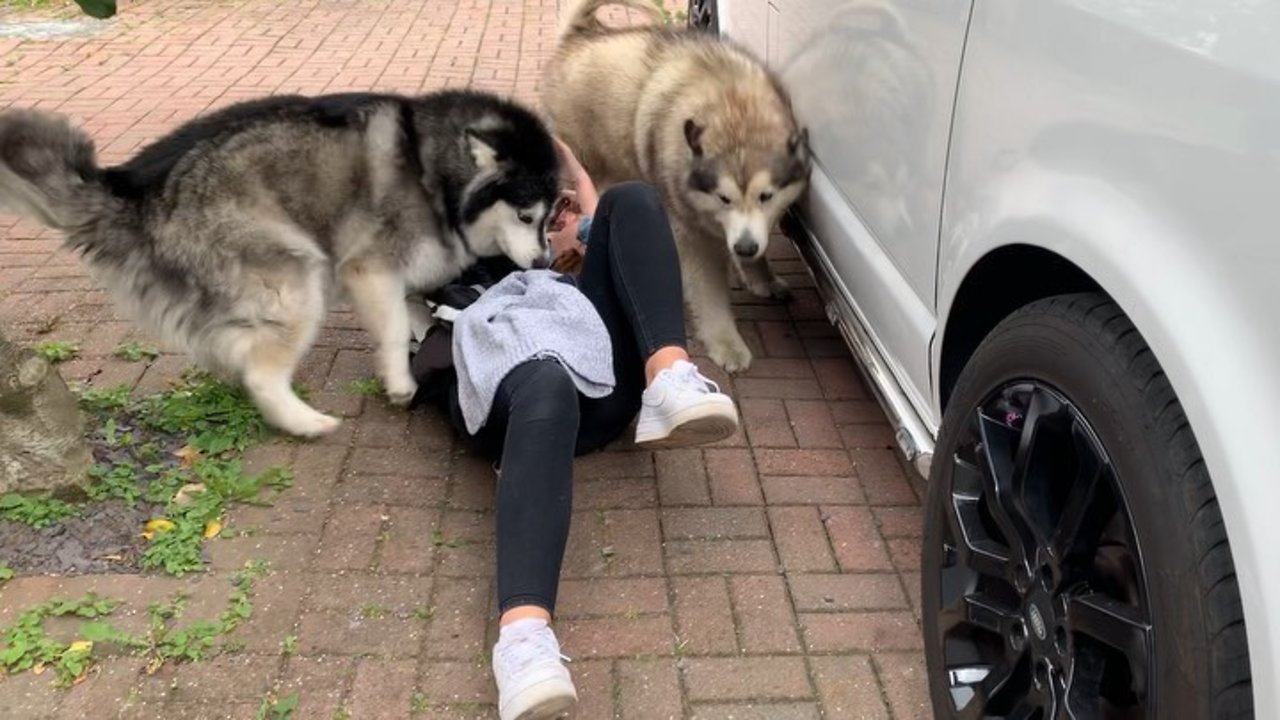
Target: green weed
134	351
57	351
38	511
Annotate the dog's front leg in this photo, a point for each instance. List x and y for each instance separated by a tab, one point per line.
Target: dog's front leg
377	292
760	280
706	291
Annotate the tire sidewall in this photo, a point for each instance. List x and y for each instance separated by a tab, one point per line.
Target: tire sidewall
1066	356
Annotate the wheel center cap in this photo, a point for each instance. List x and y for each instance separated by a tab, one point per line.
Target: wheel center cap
1035	619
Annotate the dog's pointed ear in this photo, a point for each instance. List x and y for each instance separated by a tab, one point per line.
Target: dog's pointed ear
483	148
693	136
798	143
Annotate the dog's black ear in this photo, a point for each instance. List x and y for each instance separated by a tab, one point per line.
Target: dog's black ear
798	143
484	148
693	136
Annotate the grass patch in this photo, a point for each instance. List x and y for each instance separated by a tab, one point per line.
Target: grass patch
26	646
369	387
38	511
57	351
175	455
135	351
280	709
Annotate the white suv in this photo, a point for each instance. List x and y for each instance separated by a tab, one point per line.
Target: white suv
1045	228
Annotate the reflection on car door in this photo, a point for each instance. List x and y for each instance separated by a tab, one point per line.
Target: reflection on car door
875	80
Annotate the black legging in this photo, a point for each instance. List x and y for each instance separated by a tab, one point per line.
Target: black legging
539	421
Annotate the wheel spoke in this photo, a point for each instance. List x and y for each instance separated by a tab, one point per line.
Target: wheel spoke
1089	504
999	445
1115	625
977	549
991	685
979	610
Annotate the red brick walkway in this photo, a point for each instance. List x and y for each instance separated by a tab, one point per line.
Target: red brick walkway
773	576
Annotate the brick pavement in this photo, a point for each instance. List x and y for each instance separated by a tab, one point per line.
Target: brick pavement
773	576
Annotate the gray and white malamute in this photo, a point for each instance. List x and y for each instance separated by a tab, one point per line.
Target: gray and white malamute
703	121
226	237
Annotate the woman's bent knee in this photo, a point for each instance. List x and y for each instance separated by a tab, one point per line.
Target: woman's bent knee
632	195
543	390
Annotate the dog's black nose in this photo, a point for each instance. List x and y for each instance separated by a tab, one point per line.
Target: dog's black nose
746	246
542	262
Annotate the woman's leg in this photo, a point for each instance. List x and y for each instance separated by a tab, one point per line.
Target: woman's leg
632	276
534	424
534	420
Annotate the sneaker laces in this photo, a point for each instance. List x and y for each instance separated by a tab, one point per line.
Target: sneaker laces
520	652
686	375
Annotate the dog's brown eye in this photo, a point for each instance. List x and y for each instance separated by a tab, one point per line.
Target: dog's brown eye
525	218
766	196
724	198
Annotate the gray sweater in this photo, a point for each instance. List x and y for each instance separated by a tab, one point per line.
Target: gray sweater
529	314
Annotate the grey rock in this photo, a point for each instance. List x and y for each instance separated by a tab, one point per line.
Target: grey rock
42	444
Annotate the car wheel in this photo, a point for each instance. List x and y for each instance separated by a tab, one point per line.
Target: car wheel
703	16
1075	561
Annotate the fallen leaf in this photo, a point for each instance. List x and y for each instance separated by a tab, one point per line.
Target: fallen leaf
156	526
38	668
80	646
187	454
212	529
187	493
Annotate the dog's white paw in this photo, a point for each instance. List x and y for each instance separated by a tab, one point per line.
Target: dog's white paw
400	392
313	424
775	289
730	353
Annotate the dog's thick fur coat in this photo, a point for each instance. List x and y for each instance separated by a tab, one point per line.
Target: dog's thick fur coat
704	122
226	237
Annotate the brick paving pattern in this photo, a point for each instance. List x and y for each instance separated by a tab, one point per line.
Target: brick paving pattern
774	576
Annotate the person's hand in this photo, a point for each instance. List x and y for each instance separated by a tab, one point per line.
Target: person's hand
578	180
562	229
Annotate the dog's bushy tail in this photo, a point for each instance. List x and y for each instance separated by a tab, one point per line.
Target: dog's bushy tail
581	18
48	170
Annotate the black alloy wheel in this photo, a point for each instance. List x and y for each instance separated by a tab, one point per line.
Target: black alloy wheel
1075	563
703	16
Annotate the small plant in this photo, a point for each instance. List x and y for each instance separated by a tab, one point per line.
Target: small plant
38	511
26	646
424	613
373	611
165	642
341	714
277	709
439	540
418	703
133	351
57	351
370	387
105	400
6	572
289	646
115	481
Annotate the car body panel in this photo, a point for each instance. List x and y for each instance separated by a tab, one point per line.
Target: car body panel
1139	140
880	150
1133	141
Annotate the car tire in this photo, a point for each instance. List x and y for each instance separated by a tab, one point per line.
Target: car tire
703	15
1075	560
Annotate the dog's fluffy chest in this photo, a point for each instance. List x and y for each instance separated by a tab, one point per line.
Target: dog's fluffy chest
432	261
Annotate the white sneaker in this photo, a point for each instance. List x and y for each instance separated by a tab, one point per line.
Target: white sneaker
533	683
681	407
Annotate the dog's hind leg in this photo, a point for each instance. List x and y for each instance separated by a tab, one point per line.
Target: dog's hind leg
269	353
377	292
706	291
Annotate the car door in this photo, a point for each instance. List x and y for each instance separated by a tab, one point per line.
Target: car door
874	81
